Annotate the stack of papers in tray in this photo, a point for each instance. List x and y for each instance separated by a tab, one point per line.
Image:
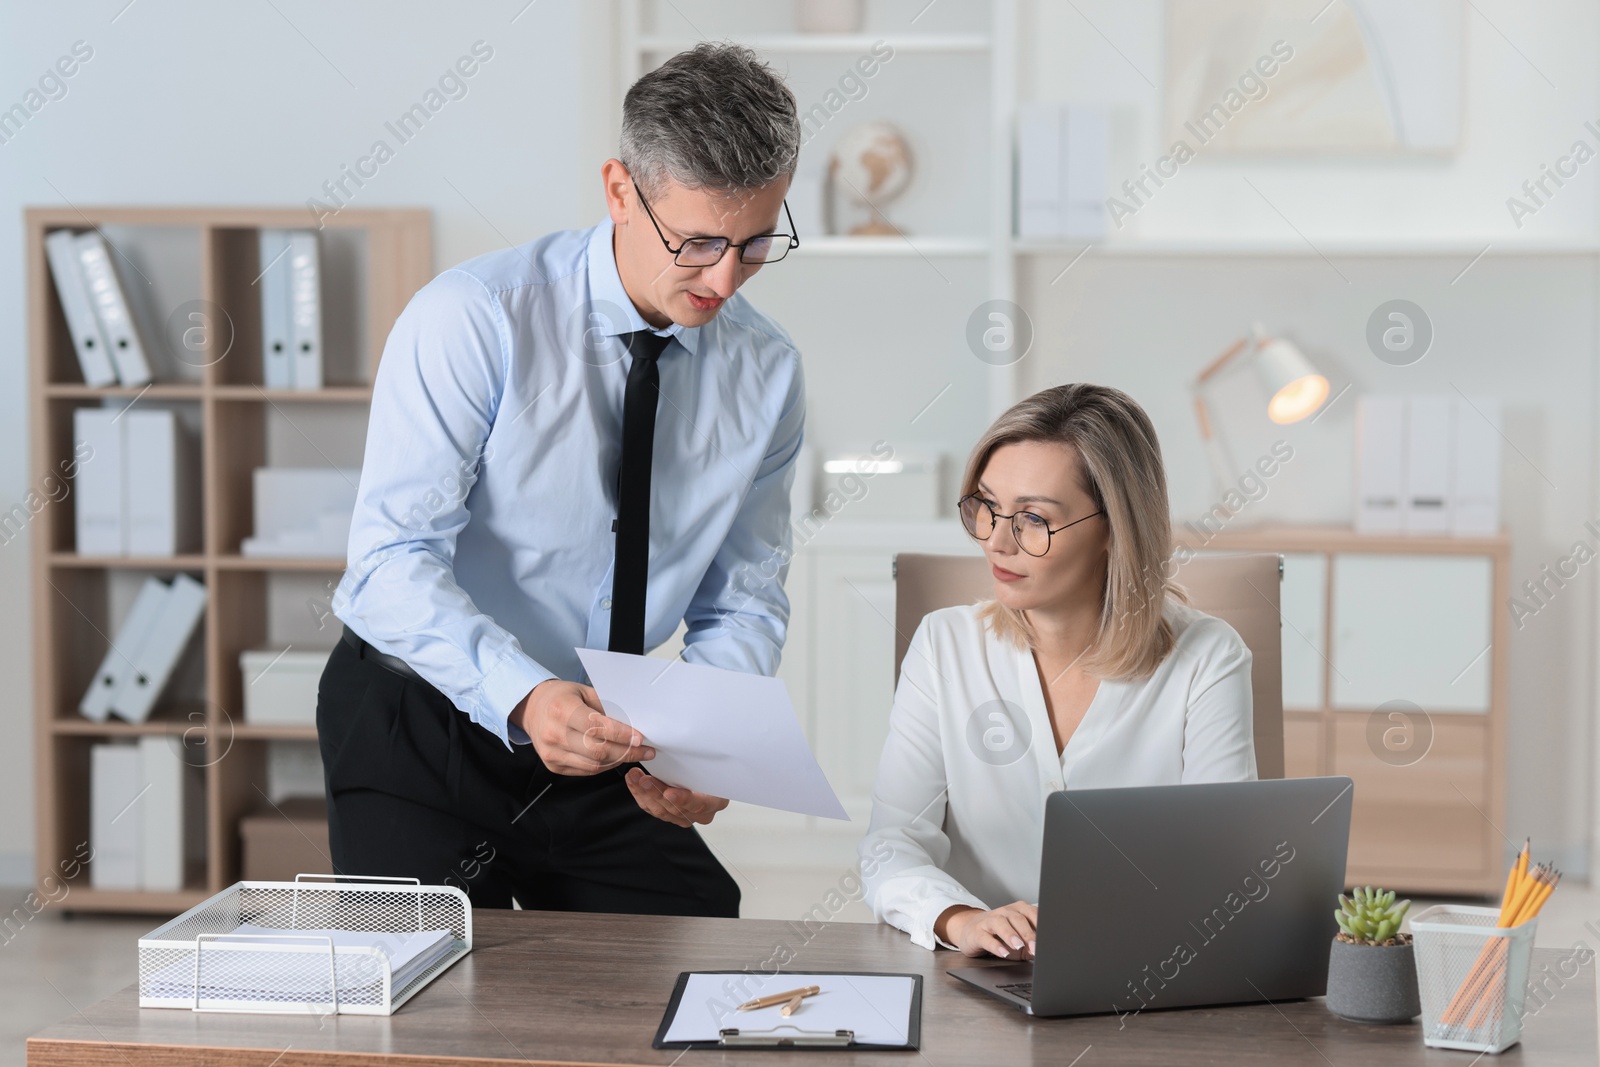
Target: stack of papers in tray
293	965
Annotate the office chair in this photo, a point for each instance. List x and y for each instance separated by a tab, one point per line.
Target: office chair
1240	589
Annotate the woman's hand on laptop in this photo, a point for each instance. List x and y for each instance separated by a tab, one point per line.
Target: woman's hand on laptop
1007	932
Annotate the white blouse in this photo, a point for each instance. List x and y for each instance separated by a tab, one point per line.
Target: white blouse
958	806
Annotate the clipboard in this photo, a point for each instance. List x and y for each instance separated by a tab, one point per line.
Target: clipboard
791	1035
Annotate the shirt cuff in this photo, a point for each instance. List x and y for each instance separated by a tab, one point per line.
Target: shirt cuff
925	935
501	690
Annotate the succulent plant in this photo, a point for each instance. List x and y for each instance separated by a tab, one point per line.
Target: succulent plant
1370	916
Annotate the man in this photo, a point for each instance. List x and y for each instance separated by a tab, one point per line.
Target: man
524	492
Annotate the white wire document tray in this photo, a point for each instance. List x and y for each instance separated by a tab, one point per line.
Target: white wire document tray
356	945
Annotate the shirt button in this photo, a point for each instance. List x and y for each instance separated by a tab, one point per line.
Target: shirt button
1055	787
605	603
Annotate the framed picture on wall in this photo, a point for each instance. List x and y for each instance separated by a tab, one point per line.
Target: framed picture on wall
1262	77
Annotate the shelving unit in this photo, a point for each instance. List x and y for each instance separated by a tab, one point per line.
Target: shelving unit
374	260
839	582
652	30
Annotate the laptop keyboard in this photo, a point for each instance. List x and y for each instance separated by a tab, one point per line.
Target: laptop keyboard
1019	989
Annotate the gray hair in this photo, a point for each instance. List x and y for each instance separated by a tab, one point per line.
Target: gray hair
715	117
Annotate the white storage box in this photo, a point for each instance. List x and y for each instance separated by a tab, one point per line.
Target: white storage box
280	688
185	964
303	512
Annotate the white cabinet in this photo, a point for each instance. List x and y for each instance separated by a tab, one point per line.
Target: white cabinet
844	617
852	670
1411	627
1303	602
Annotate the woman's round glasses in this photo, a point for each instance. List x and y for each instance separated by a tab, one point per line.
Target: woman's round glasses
1032	532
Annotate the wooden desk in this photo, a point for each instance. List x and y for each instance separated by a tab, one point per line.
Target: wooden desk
565	989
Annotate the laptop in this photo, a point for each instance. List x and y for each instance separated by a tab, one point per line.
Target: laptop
1177	896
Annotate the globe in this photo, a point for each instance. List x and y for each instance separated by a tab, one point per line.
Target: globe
870	167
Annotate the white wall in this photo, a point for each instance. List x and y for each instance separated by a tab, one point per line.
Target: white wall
238	104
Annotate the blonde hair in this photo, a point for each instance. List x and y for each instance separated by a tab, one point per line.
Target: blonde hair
1119	465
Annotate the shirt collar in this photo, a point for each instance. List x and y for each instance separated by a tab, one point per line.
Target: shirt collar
605	285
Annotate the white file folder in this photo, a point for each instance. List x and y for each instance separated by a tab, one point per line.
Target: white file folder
87	340
305	305
1381	465
1475	473
1085	146
98	505
160	485
1061	171
1428	437
114	819
1039	179
159	654
165	812
277	360
123	654
111	308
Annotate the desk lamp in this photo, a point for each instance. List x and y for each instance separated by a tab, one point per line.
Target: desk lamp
1293	386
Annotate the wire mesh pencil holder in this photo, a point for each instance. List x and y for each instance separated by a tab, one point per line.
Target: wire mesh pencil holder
197	961
1472	976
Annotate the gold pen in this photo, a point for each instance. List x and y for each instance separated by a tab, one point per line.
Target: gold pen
793	1006
779	998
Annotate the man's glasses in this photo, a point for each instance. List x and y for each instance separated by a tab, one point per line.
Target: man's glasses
708	251
1032	532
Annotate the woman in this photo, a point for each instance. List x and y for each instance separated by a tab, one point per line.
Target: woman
1087	669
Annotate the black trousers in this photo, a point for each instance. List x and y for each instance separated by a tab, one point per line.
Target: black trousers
416	789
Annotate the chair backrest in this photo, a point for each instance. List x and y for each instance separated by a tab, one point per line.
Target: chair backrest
1240	589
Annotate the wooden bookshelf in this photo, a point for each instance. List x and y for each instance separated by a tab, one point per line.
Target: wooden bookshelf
379	258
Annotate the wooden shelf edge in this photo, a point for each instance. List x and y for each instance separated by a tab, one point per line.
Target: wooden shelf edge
117	728
133	901
317	564
245	731
1291	538
153	391
1432	884
196	561
192	561
170	718
332	394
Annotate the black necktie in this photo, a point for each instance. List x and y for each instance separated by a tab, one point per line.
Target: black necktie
632	568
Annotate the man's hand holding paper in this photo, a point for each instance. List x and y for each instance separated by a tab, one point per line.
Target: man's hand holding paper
571	733
573	736
715	733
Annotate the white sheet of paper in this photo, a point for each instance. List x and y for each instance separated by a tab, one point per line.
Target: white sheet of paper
877	1007
725	733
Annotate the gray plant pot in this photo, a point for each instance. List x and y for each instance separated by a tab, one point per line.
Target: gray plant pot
1373	983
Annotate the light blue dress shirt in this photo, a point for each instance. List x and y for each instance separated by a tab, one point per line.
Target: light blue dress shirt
481	550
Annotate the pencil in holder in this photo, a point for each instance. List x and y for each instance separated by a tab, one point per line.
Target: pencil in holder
1472	976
